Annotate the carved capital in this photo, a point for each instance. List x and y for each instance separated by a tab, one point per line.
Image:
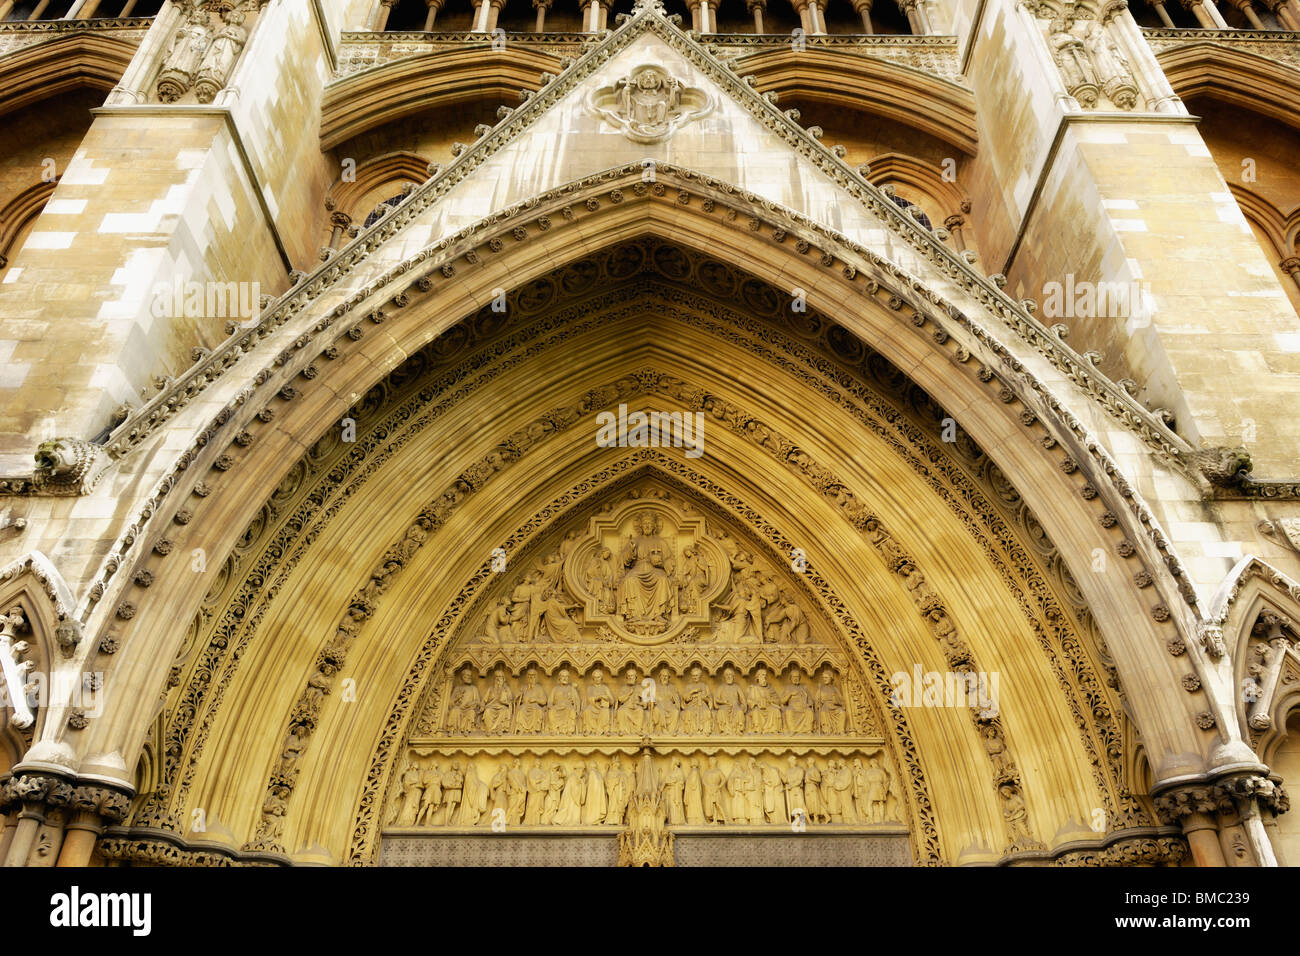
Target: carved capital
1181	803
1290	265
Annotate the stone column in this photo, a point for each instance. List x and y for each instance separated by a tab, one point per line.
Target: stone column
381	15
87	10
1163	14
434	7
1291	266
126	10
1286	11
1242	801
863	8
1248	11
481	17
1206	13
39	10
1193	809
93	808
10	805
494	11
757	8
916	16
37	792
6	7
953	224
542	6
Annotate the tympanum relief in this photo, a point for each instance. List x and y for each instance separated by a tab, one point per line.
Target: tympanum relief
647	639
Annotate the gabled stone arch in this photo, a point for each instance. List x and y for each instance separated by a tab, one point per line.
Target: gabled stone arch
675	215
1253	631
1235	77
64	63
257	434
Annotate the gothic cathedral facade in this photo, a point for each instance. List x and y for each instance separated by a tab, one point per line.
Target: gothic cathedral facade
645	432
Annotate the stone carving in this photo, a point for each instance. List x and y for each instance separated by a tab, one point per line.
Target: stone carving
221	55
1090	62
739	787
649	105
185	53
68	466
569	703
203	50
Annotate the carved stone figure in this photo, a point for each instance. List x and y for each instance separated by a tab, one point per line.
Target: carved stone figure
499	627
831	805
562	709
812	780
474	798
181	62
412	793
498	704
530	716
432	798
466	705
842	784
554	791
648	104
1071	55
729	700
774	807
599	578
453	786
646	594
516	793
799	706
1112	68
832	718
631	711
715	793
694	796
740	787
764	715
498	790
692	579
618	788
572	797
792	779
596	804
548	616
221	55
697	706
674	782
666	708
598	717
538	783
788	621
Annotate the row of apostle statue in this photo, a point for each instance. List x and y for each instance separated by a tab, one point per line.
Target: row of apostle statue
644	704
594	792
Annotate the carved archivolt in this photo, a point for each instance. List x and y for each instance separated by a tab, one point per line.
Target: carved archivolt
218	650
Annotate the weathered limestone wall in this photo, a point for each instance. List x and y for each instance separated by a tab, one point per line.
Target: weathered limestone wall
1134	197
224	193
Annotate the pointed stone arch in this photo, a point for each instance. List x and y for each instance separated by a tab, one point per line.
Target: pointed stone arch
400	327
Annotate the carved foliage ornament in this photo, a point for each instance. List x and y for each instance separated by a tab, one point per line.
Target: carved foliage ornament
649	104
